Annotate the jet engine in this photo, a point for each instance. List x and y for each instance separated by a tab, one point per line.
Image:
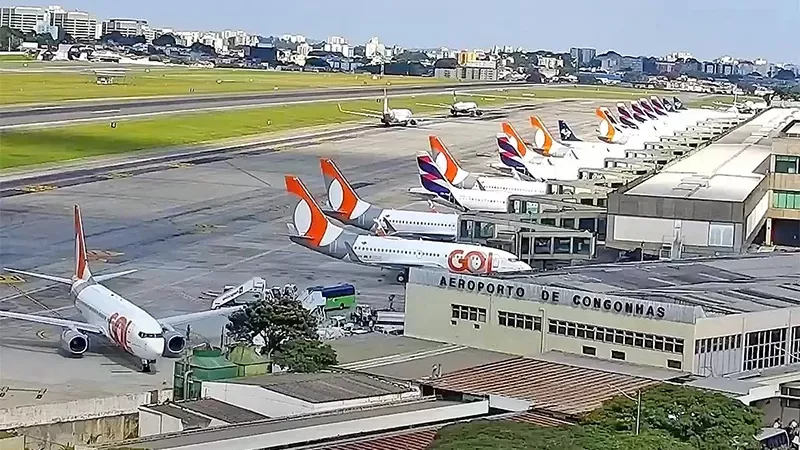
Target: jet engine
174	343
74	342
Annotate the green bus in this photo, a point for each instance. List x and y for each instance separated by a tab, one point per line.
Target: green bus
340	296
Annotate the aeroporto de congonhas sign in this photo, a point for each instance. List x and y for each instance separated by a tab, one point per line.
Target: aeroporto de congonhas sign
558	296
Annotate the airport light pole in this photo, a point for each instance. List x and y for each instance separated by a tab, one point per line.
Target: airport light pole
638	401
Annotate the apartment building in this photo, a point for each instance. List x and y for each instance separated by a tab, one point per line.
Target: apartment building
783	216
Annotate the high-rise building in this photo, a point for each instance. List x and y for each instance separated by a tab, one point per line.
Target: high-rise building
374	48
582	56
128	27
22	18
78	24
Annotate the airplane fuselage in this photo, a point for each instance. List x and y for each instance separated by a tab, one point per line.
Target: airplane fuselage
122	322
419	223
511	186
398	117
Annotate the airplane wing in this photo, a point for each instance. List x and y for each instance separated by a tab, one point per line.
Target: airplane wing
357	113
192	317
81	326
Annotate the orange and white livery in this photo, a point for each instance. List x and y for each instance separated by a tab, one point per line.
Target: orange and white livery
109	315
347	207
385	252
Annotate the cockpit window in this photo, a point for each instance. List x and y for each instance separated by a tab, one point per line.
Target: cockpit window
144	335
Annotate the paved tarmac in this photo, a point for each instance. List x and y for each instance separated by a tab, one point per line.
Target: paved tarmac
97	110
196	228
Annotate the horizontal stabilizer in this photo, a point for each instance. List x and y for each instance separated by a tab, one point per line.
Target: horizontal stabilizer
110	276
61	280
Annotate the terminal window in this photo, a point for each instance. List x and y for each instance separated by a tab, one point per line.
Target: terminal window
786	200
615	336
471	313
765	349
522	321
787	164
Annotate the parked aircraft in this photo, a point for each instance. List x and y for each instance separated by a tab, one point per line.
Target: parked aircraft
389	116
311	229
544	141
350	209
434	185
457	176
109	315
516	156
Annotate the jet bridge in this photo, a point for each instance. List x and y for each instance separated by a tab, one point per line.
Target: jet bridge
542	247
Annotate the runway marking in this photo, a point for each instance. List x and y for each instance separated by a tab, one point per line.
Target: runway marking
37	188
106	111
101	255
11	279
115	175
206	228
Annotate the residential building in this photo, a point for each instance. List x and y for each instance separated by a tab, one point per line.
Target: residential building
294	38
582	56
374	48
783	216
466	57
128	27
22	18
78	24
614	62
337	44
677	56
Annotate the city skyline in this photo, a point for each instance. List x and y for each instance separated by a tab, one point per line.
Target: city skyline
650	28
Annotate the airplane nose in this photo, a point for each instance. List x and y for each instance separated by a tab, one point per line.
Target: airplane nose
155	347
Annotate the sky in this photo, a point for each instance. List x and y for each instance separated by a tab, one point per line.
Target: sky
746	29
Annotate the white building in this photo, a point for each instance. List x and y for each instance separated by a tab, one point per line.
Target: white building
128	27
337	44
293	38
374	48
78	24
675	56
22	18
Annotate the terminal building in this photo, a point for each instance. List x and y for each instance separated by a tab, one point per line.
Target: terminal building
700	316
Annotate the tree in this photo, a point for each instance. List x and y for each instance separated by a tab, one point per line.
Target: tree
165	40
276	321
704	419
10	38
506	435
305	355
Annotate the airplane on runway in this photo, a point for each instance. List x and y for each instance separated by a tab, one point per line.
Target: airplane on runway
311	229
348	208
389	117
461	108
458	177
109	315
434	186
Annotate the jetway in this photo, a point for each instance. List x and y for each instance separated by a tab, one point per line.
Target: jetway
542	247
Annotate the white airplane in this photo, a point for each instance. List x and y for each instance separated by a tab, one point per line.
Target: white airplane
313	230
389	116
434	185
459	177
349	209
589	152
459	108
109	315
516	155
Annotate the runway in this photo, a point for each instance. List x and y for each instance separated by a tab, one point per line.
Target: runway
196	228
99	110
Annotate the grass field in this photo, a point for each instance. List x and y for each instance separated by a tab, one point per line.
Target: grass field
27	147
47	86
50	145
6	58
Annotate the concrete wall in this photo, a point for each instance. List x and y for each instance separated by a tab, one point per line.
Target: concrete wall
274	404
92	431
26	416
12	443
432	320
152	422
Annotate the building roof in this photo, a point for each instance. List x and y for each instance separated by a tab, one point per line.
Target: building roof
727	285
325	387
420	439
725	170
220	410
189	419
550	387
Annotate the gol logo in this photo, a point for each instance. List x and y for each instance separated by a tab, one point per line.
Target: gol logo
470	262
118	328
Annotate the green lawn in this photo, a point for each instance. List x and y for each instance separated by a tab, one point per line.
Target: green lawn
53	85
6	58
48	145
599	92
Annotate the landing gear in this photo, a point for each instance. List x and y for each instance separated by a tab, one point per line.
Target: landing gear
147	366
402	277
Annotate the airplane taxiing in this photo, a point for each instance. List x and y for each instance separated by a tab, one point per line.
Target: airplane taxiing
350	209
109	315
389	116
462	108
311	229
